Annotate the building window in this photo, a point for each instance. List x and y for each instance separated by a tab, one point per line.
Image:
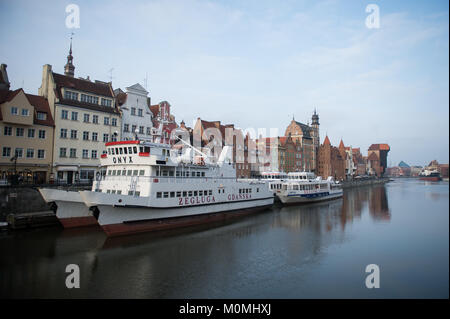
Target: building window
68	95
114	122
105	137
41	116
14	110
94	154
140	112
85	153
74	116
8	131
19	152
73	134
126	127
113	138
19	131
73	152
62	152
31	133
133	128
95	100
25	112
30	153
133	111
106	121
64	114
95	119
42	134
6	151
141	130
86	118
63	133
41	153
85	136
94	136
106	102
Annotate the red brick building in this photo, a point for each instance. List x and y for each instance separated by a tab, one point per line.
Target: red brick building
377	158
330	161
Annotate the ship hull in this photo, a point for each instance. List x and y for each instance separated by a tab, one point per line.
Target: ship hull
293	199
431	178
70	208
125	220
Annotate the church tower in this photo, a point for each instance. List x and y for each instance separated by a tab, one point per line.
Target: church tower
315	137
69	68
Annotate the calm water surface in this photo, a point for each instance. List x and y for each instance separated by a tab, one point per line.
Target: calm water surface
313	251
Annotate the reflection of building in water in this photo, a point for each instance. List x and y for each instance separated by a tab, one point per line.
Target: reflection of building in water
378	203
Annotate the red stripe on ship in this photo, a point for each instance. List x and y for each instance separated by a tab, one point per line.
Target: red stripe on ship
73	222
122	229
121	143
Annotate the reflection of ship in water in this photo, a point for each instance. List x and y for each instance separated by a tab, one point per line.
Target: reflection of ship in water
28	267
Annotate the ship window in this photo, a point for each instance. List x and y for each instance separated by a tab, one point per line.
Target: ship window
166	194
109	172
158	195
130	192
164	173
141	149
141	172
198	174
124	172
170	173
114	172
120	151
190	193
203	174
119	192
178	194
257	190
112	151
130	150
125	150
118	172
109	151
147	149
296	187
117	151
172	194
184	194
195	193
157	172
205	193
137	194
240	191
108	191
129	172
134	149
113	191
249	190
200	193
177	174
135	172
187	174
210	192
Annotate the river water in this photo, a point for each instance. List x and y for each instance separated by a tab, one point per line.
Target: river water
310	251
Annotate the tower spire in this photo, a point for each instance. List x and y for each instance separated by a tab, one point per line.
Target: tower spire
69	68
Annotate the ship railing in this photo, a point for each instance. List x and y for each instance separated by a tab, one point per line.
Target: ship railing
167	179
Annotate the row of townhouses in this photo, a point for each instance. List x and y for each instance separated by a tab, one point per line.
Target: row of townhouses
60	134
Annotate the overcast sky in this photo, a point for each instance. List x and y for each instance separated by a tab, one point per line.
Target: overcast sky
258	63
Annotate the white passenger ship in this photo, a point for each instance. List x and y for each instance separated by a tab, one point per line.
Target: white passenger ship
147	189
304	187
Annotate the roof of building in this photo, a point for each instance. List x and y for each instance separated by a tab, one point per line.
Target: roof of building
341	144
39	103
379	147
326	141
97	87
305	129
403	164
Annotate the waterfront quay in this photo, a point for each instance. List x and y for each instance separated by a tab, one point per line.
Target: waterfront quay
306	251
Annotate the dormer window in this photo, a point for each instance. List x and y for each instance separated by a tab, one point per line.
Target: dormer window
69	95
14	110
106	102
25	112
41	116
